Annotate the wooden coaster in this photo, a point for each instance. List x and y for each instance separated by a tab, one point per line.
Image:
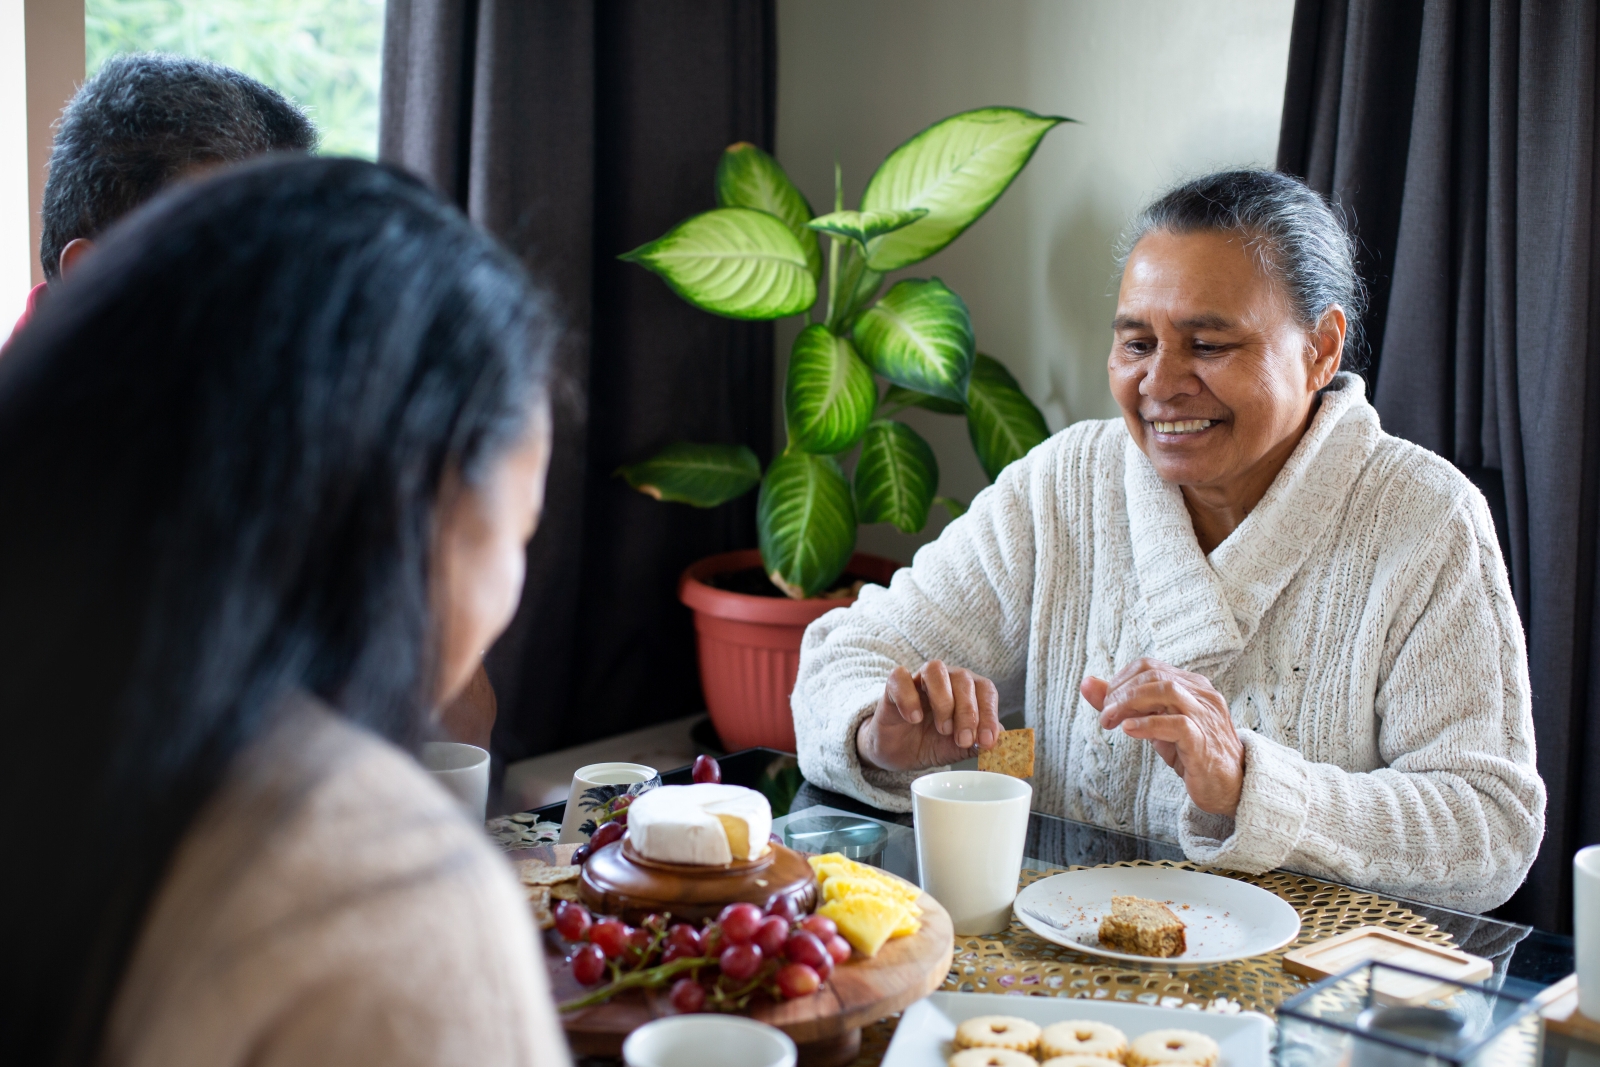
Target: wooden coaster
1323	959
1559	1006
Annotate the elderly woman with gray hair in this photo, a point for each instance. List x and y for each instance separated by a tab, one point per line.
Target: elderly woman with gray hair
1241	618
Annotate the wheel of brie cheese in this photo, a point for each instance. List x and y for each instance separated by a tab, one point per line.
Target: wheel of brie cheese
702	824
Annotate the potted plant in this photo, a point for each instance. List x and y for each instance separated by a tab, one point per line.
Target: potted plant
758	255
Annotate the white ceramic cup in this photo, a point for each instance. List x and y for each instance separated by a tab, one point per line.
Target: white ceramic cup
708	1041
1586	927
463	770
971	826
607	778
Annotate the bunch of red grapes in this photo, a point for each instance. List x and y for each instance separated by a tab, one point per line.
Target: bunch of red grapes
744	949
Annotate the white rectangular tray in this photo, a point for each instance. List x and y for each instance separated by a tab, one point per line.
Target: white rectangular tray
927	1028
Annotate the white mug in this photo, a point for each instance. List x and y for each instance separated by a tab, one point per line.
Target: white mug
593	785
1586	927
708	1041
463	770
971	827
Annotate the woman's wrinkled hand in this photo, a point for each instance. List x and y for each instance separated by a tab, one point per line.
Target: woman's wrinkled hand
1184	716
935	716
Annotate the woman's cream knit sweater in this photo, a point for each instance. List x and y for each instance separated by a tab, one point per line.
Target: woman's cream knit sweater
1359	623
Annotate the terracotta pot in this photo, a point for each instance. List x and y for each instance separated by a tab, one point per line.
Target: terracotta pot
750	646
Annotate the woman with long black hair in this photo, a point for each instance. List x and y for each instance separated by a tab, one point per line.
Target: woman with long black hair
267	470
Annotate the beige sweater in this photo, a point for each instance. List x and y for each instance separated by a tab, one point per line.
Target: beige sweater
1359	623
331	905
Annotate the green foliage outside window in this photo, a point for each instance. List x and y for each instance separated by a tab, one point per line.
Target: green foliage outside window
323	54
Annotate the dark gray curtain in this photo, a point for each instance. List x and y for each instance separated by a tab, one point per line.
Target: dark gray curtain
1460	136
575	130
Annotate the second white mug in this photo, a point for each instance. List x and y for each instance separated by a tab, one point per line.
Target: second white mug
463	770
593	785
971	827
1586	928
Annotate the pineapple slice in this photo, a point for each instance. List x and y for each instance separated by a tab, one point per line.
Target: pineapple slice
866	920
849	885
834	865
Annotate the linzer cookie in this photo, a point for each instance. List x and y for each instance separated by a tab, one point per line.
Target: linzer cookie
1012	754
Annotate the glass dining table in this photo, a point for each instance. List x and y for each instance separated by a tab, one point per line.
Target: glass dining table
1525	959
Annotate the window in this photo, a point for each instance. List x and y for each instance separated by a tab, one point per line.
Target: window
323	54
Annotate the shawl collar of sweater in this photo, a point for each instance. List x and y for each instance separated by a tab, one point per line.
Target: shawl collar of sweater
1203	610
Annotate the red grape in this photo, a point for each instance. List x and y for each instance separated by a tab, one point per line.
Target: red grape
740	962
606	833
771	934
797	980
707	769
677	952
685	937
739	922
572	920
688	996
611	936
784	907
581	855
620	819
654	921
589	965
838	948
621	803
638	943
803	947
820	925
711	941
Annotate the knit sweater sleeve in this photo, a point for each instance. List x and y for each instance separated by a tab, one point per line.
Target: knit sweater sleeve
965	599
1456	815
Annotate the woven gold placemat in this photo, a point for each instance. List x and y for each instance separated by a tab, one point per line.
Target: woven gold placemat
1019	962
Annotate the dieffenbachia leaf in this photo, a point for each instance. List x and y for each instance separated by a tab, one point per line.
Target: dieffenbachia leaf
956	169
701	475
748	177
896	476
919	336
829	395
1003	422
898	396
955	507
806	521
733	261
863	226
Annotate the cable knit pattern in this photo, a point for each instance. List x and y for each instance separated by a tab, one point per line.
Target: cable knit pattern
1359	623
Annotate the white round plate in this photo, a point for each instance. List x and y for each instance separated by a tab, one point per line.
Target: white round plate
1226	919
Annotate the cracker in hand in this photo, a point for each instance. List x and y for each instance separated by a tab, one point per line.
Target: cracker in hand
1012	754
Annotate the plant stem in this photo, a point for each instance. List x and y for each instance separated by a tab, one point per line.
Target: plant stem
647	978
833	277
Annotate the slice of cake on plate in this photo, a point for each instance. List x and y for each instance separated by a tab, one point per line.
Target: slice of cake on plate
1143	928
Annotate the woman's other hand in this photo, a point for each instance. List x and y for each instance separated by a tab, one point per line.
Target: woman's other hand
1184	716
927	719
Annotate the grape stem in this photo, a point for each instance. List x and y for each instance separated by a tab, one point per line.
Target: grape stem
648	978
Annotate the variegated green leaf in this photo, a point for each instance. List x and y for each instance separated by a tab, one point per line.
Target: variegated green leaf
829	395
748	177
733	261
1003	422
863	226
919	336
701	475
806	520
896	476
955	507
898	396
956	169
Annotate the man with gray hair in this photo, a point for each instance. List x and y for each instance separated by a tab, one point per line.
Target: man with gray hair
143	121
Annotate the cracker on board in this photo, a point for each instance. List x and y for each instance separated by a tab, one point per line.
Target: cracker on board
1012	754
532	872
539	904
564	891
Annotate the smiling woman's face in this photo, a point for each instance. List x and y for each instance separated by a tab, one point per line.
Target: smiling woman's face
1215	377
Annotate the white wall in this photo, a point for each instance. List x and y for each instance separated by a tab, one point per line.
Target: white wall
1163	88
16	258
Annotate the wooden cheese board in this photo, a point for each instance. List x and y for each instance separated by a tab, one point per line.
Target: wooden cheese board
826	1025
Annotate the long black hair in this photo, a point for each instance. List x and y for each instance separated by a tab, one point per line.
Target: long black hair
221	446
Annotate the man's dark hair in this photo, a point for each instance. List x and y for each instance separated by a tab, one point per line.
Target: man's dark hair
144	120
